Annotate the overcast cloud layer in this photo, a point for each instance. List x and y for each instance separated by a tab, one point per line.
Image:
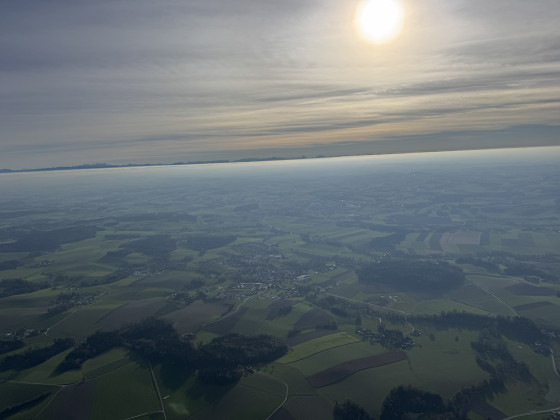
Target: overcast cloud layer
160	81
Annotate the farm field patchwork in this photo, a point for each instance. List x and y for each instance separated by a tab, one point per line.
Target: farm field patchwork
371	277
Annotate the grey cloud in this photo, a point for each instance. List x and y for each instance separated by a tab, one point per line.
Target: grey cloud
316	92
519	14
117	72
339	124
524	50
477	82
54	34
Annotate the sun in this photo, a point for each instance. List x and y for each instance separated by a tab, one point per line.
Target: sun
379	21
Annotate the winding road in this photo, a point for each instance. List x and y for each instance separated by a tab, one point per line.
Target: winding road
285	398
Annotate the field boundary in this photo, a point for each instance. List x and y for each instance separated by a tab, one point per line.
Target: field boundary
320	351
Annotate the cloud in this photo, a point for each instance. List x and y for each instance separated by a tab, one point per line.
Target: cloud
108	76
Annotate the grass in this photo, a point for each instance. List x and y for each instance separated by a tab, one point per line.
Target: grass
349	289
225	324
493	282
12	319
255	397
297	382
82	322
254	318
126	392
521	398
322	360
544	393
194	315
144	293
472	295
309	407
46	372
309	348
127	385
437	306
129	313
185	396
130	290
431	361
550	313
343	275
428	368
107	368
12	394
368	388
92	367
205	337
40	298
341	371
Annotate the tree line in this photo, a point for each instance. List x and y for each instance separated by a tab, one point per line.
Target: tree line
11	287
405	402
222	361
35	356
7	346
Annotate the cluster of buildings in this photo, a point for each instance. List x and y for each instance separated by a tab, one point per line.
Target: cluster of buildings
23	333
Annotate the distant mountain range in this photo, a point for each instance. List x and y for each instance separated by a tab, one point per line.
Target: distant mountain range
141	165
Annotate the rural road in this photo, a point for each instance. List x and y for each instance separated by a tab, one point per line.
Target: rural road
283	402
553	362
530	413
157	389
495	297
61	321
229	313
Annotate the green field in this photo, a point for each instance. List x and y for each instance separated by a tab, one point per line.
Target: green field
124	392
18	394
305	350
335	355
256	396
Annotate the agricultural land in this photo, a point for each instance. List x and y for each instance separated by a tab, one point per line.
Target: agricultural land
282	290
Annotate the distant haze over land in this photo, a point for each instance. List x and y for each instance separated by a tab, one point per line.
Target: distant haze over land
240	290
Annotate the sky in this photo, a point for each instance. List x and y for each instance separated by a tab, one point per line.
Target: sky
131	81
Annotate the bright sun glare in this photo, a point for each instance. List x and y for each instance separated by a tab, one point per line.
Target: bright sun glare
379	21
